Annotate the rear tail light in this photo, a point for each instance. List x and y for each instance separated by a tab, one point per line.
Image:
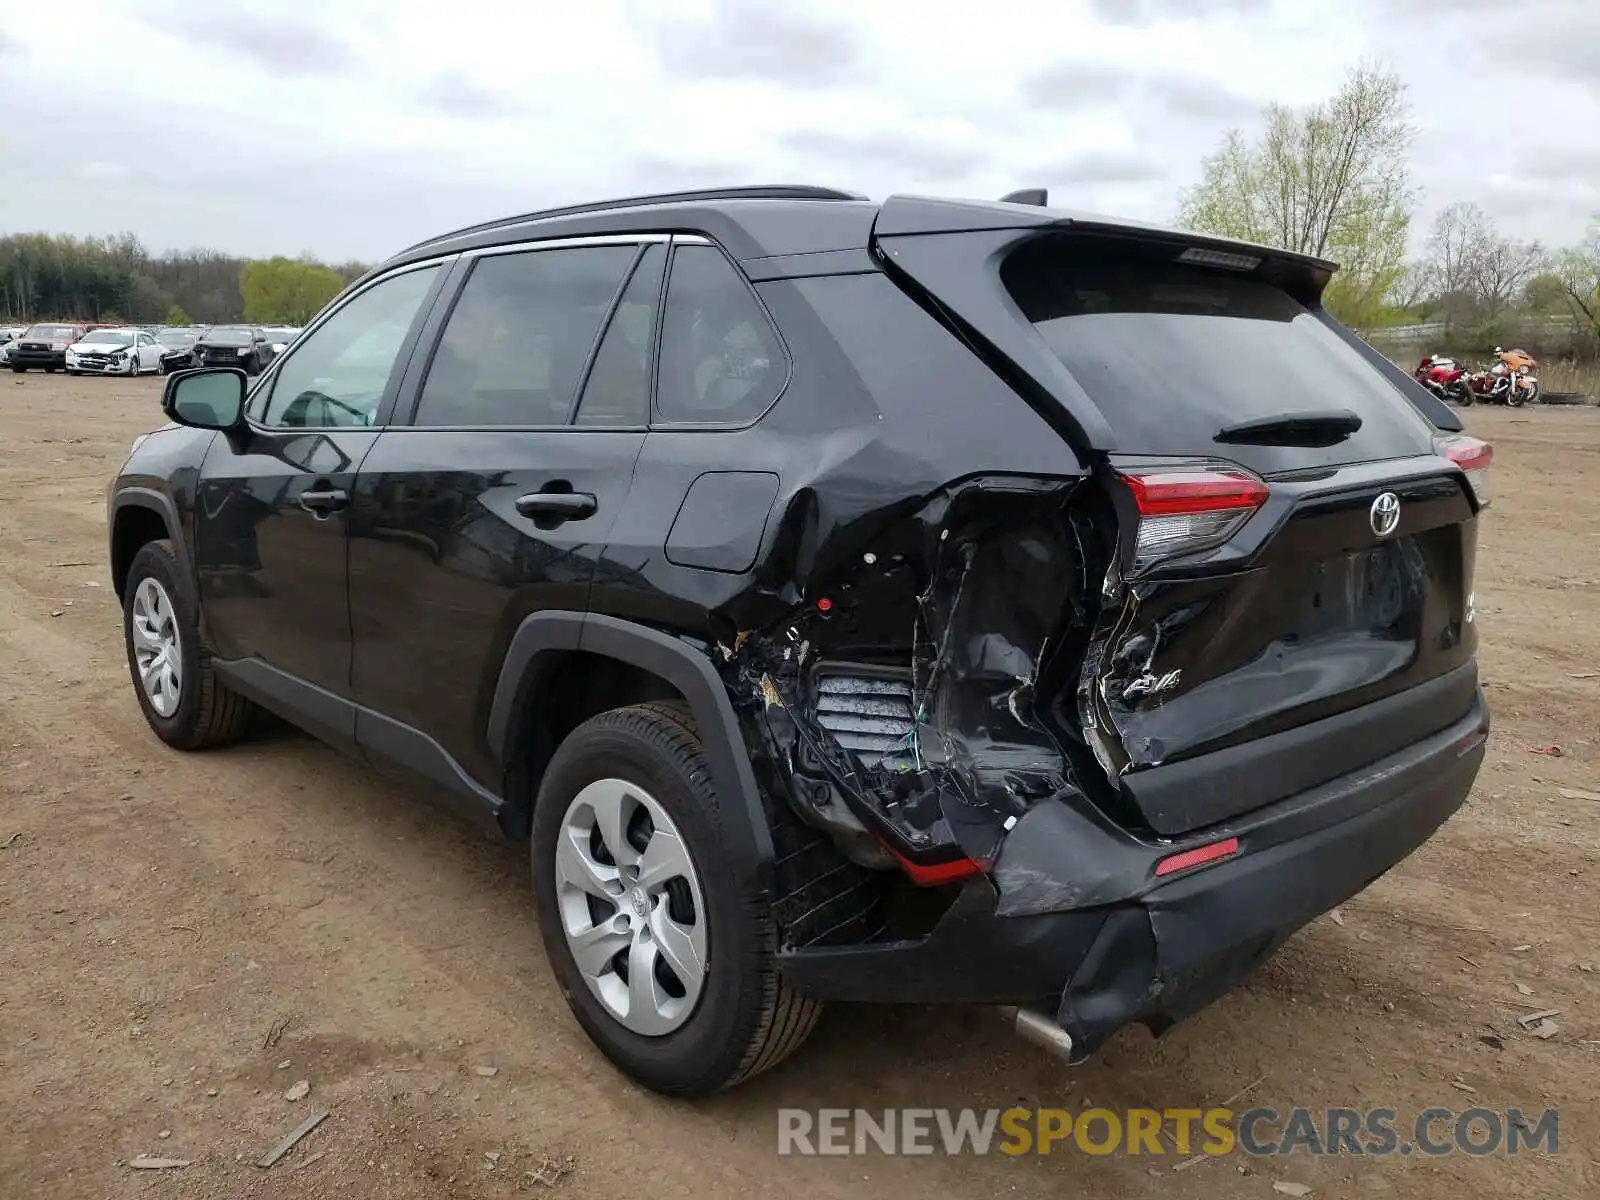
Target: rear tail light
1190	507
1474	457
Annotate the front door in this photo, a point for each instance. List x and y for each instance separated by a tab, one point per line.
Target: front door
497	500
271	508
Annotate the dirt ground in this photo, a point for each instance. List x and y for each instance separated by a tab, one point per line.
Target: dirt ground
161	914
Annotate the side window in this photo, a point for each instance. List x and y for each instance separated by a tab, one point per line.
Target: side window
520	335
721	362
337	375
618	391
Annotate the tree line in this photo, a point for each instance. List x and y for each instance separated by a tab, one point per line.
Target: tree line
110	279
1333	180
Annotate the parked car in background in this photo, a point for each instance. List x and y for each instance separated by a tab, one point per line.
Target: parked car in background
113	351
44	346
178	347
8	335
241	346
280	336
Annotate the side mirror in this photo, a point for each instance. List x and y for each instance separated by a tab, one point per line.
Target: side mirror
206	399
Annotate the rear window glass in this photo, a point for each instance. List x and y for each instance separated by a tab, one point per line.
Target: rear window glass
1173	354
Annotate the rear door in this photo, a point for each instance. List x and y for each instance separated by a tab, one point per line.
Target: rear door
496	499
1295	555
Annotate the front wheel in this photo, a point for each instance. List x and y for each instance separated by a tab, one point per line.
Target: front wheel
665	955
184	702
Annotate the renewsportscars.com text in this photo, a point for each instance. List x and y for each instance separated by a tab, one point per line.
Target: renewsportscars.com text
1260	1132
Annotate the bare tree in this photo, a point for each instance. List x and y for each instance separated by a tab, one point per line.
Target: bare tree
1459	236
1503	270
1475	273
1330	180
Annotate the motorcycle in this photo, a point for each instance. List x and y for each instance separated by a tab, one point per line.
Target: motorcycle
1510	381
1444	377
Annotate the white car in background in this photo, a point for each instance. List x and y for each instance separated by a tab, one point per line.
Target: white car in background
8	335
114	352
280	336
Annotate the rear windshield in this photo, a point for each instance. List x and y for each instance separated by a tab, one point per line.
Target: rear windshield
51	333
228	337
1173	354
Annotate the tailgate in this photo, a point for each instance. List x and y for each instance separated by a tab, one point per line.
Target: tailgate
1322	648
1293	595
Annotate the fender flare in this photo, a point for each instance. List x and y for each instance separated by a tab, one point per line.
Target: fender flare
534	648
164	507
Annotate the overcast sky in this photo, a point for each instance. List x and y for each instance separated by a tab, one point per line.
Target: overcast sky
351	128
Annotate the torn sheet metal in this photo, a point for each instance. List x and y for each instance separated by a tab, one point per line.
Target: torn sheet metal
909	694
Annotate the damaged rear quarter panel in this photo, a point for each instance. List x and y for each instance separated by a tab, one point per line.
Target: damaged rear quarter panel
929	507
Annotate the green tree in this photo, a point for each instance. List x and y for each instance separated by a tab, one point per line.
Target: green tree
176	316
1578	268
1331	180
286	290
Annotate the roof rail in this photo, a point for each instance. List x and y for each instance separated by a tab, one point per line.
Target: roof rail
798	191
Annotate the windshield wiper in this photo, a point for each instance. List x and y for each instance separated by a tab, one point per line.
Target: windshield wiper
1323	427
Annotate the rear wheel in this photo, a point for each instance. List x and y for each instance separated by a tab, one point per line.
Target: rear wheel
184	702
666	956
18	370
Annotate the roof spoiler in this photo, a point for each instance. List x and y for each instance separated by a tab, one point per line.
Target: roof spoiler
914	216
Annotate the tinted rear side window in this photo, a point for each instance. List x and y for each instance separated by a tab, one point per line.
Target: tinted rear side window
721	363
618	391
1173	354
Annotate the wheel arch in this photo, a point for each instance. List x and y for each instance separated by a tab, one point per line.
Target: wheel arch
656	663
140	516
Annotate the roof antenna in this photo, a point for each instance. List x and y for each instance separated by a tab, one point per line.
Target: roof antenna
1035	196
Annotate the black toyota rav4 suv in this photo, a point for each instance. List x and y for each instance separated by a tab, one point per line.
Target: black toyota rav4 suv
910	601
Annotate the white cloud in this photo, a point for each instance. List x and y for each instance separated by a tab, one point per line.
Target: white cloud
354	128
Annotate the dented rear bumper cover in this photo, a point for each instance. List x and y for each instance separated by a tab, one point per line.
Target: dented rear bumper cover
1072	918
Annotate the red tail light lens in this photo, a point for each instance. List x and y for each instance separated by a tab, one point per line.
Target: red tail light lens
1190	507
1474	456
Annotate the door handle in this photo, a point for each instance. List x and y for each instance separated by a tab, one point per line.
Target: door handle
560	506
321	503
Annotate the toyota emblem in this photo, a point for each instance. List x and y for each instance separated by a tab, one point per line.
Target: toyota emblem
1385	514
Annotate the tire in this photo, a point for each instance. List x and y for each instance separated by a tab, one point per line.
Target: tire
746	1017
206	712
51	370
16	370
1515	398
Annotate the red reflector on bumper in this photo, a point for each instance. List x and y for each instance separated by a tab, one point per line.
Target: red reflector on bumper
937	874
1199	856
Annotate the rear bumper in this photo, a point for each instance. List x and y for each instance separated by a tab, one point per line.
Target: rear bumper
1072	918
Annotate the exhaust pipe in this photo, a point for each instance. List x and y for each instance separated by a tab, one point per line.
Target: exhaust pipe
1040	1029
